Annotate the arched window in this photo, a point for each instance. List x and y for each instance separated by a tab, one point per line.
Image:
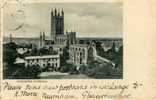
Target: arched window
90	52
60	49
83	53
81	57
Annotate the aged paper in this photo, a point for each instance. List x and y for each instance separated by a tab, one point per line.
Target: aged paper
30	71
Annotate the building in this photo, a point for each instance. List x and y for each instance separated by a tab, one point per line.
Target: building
57	24
78	54
81	50
43	61
57	40
71	38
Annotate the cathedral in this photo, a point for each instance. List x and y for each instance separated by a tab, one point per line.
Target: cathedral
58	39
79	53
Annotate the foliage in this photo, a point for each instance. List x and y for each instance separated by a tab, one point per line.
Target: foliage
48	67
111	54
73	69
15	71
98	69
83	69
70	68
28	72
64	68
9	53
9	56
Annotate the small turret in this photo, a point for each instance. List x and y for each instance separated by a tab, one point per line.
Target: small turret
40	40
55	12
62	12
43	36
52	12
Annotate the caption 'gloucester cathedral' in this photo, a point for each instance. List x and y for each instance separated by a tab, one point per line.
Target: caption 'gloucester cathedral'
80	51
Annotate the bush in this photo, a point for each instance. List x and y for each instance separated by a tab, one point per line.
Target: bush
70	68
83	69
73	69
9	56
97	69
33	71
64	69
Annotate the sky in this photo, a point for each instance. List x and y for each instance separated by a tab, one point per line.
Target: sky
87	19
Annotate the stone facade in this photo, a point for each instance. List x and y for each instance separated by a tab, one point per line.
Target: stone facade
57	23
71	38
78	54
58	49
61	40
43	61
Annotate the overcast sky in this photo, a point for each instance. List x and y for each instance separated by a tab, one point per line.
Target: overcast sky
87	19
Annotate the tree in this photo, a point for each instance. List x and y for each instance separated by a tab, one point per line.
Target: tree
9	56
99	69
73	69
64	68
33	71
9	53
83	69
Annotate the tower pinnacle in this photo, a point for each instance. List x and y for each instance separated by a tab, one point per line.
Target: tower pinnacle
55	12
62	12
52	12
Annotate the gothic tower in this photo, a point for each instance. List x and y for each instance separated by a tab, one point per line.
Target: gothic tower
42	40
57	23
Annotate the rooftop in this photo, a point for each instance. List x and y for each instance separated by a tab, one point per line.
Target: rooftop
42	57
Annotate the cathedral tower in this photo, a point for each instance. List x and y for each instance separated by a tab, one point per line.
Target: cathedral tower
57	23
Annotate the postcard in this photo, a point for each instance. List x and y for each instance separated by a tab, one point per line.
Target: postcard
77	50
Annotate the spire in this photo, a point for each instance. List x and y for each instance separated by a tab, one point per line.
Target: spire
40	42
52	12
10	37
55	12
43	35
62	12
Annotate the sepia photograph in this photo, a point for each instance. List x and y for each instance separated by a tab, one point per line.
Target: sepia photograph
63	41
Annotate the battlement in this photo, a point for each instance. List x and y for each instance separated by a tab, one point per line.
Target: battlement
57	13
57	23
